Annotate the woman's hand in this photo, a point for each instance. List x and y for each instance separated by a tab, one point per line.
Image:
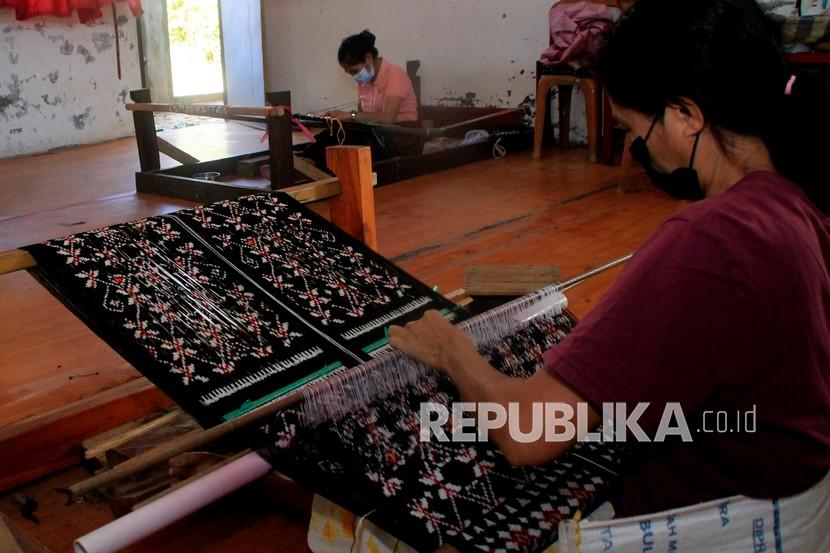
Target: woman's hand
339	115
433	340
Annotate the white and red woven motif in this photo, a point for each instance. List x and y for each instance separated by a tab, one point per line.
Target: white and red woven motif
336	282
172	299
230	305
464	494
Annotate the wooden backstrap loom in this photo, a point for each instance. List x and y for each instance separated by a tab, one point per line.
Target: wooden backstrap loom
49	442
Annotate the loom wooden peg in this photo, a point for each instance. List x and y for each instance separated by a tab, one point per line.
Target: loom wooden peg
309	169
175	152
354	209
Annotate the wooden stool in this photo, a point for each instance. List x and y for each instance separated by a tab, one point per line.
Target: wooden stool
592	91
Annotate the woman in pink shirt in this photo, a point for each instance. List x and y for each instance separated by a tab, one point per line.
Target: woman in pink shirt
385	96
384	90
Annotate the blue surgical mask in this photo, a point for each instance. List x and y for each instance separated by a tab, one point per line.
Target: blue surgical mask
365	75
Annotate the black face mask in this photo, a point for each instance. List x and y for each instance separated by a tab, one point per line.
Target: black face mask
681	184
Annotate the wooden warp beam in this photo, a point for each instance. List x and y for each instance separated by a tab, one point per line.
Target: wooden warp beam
16	260
209	110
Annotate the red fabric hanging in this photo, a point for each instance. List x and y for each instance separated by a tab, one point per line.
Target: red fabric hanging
87	9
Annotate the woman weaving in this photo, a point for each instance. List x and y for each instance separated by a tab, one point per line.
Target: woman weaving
385	95
727	306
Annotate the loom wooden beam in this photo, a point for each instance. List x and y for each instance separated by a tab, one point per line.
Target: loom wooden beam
322	189
16	260
8	542
14	539
145	132
251	167
280	140
176	153
309	169
314	191
52	439
205	110
98	449
281	151
354	209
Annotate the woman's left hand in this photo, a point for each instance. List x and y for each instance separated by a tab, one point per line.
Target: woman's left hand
433	340
339	115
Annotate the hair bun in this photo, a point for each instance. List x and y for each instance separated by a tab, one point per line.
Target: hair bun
368	36
354	48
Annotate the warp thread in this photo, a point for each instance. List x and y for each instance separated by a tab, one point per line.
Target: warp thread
346	390
341	131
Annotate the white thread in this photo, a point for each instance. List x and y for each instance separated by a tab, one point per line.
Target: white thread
259	376
389	317
499	151
348	389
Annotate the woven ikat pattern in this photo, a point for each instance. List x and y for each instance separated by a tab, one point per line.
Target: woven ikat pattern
340	286
433	493
233	302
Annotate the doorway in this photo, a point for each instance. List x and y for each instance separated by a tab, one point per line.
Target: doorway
195	38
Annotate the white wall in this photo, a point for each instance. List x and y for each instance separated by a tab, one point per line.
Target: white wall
478	46
59	84
485	47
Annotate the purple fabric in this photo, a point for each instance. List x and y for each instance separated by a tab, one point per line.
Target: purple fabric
576	31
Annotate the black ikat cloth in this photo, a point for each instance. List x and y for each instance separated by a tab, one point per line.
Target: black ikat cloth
227	306
433	493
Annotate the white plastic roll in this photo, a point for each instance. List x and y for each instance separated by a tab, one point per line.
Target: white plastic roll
174	506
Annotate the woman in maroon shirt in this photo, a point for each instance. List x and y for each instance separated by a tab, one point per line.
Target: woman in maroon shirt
727	307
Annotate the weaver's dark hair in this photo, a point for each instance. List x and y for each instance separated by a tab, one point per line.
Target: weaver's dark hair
354	48
726	56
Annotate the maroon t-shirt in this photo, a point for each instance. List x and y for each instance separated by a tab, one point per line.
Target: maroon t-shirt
726	307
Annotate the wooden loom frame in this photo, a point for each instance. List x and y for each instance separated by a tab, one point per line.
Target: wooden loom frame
178	182
45	443
286	168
